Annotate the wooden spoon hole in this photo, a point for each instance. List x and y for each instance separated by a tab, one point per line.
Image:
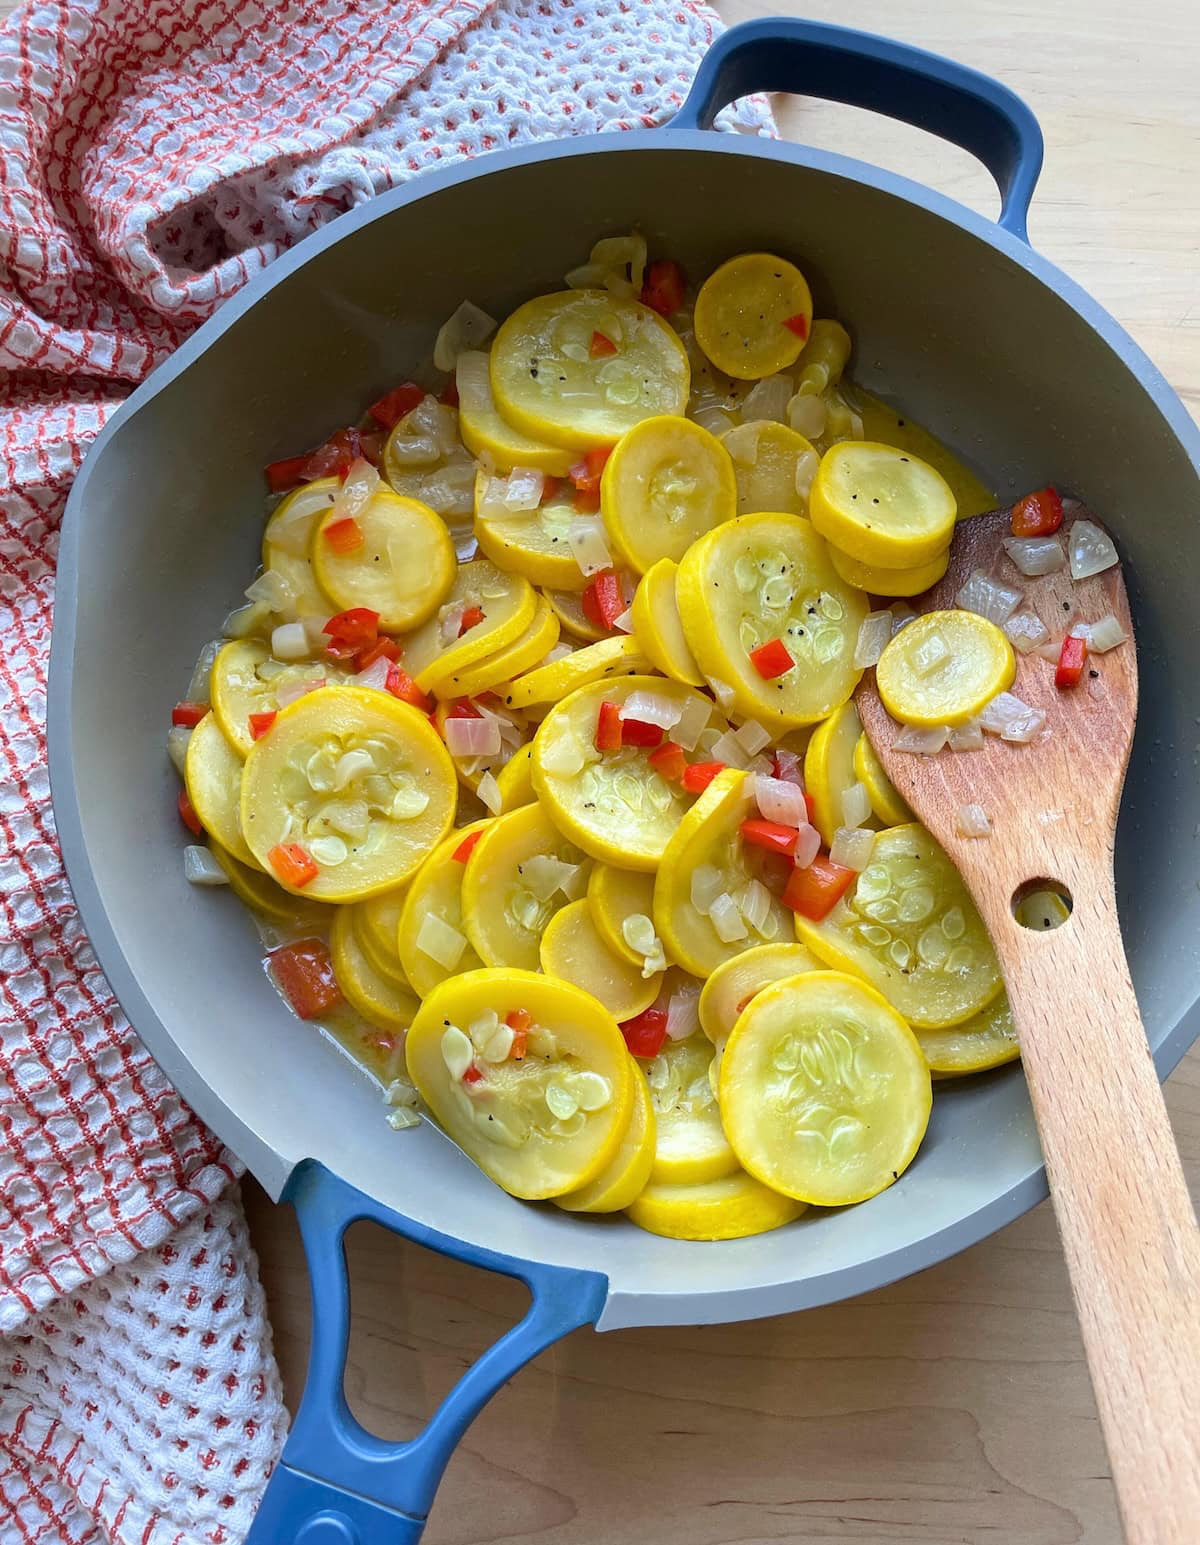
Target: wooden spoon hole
1041	905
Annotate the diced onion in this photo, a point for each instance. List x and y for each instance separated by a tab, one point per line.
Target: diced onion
1025	632
1049	650
523	489
806	470
716	420
752	737
988	597
199	686
768	399
753	901
472	737
722	691
806	413
543	874
786	766
401	1118
450	621
856	806
201	868
1036	555
972	821
440	942
361	485
290	691
561	651
624	623
742	444
291	530
728	749
707	884
1105	635
585	536
177	743
851	847
1012	718
692	722
457	1051
289	641
467	328
489	793
726	919
902	615
873	638
314	631
808	845
473	380
272	590
922	742
683	1017
563	756
778	799
649	708
375	675
244	620
1091	550
967	737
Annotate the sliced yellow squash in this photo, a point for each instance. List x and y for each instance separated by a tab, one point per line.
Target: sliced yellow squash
889	582
403	568
485	433
944	668
431	951
829	768
383	1000
525	651
245	680
572	947
506	904
615	896
889	808
667	482
657	627
882	506
773	467
505	604
753	315
531	542
619	656
988	1040
734	1207
691	1145
731	986
213	775
622	1181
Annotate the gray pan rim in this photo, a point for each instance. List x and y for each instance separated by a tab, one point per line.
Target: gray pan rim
624	1308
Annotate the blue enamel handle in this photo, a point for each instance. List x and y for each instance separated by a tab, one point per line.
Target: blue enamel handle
810	58
336	1483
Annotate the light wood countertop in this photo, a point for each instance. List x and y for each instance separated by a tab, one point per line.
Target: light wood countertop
954	1406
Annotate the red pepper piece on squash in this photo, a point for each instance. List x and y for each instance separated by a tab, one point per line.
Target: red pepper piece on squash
466	847
608	728
344	536
1037	514
353	628
645	1035
640	732
400	684
283	476
815	891
519	1021
293	865
471	618
699	775
602	346
260	723
550	488
669	761
473	1075
771	659
771	836
602	600
304	973
797	324
381	649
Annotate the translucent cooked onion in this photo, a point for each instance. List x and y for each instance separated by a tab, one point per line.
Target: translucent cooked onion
1049	650
177	743
1012	718
291	530
768	399
471	376
806	470
692	722
851	847
563	755
707	884
450	621
787	766
754	903
199	685
902	615
728	749
726	919
543	874
967	737
414	450
465	329
807	414
856	806
244	620
1105	635
649	708
722	691
361	485
873	638
742	443
922	742
683	1017
289	641
472	737
1036	555
489	793
716	420
291	691
808	845
523	489
272	590
314	628
988	597
1025	632
752	737
778	799
585	536
972	821
440	942
1091	550
201	868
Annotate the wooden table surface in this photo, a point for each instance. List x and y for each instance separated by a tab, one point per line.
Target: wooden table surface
954	1406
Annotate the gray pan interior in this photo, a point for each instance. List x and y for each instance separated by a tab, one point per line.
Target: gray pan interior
976	336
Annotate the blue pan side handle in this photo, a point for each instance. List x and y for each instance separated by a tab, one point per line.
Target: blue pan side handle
336	1483
809	58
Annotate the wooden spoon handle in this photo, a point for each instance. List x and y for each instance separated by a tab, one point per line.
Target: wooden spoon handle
1127	1224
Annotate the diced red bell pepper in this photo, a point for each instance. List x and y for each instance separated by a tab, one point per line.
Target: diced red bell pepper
608	727
602	346
1037	514
771	836
519	1021
771	659
586	501
699	775
283	476
520	1045
669	761
1070	662
797	324
396	404
448	396
464	708
400	684
340	452
815	891
382	649
260	723
305	976
473	1075
293	865
188	815
586	475
188	714
645	1035
602	600
466	847
471	618
550	488
354	628
664	287
639	732
344	536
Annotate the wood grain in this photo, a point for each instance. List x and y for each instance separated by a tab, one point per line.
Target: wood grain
953	1408
1126	1220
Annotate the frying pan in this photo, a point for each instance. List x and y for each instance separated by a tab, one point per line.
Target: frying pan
955	317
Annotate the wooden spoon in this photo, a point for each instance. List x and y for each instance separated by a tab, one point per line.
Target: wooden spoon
1127	1224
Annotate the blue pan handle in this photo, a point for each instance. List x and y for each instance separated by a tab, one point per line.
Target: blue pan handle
336	1483
815	59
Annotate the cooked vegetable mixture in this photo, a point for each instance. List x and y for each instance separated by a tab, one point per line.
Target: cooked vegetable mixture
533	749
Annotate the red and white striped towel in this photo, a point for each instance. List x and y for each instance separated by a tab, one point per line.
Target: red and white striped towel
153	155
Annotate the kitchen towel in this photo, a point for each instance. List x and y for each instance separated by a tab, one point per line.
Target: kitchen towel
154	154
